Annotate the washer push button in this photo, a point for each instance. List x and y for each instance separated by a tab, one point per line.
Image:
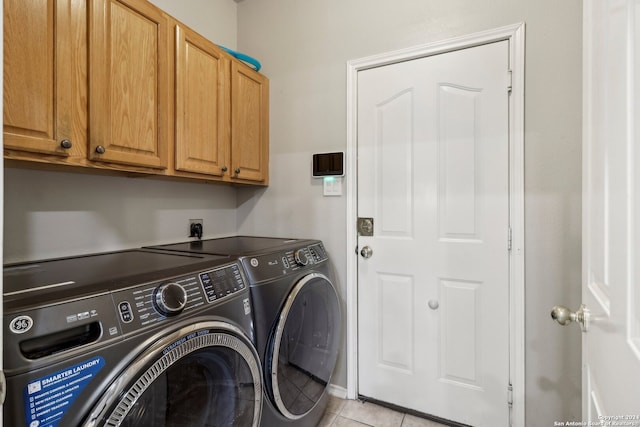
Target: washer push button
126	314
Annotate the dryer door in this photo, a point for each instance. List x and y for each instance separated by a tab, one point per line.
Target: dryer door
206	374
304	347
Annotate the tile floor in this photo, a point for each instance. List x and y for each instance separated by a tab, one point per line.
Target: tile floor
355	413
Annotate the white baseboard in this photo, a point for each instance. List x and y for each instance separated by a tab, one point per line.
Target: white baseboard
337	391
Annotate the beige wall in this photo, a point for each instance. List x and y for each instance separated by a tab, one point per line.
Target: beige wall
53	214
214	19
304	47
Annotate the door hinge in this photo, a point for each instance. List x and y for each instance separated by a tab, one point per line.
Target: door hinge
509	81
3	387
510	395
510	239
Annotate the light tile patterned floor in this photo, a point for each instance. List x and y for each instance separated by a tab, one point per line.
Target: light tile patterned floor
354	413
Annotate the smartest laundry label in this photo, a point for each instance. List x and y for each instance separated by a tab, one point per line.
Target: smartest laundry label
48	398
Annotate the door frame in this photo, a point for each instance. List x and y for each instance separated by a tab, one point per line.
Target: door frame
515	34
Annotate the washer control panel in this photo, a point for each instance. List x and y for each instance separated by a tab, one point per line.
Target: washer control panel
221	282
277	264
154	302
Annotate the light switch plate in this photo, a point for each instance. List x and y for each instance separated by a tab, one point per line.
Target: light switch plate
332	186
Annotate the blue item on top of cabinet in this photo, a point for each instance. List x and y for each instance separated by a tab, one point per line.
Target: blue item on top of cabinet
245	58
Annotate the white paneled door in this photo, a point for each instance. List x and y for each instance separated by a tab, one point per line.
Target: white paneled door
433	279
611	213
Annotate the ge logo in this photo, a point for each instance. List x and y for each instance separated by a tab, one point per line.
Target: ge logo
21	324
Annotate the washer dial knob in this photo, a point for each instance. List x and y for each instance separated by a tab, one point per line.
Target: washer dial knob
171	298
301	257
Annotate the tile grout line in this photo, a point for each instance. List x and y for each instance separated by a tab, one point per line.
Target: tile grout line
341	408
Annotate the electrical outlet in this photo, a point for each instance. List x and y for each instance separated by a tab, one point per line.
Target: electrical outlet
196	228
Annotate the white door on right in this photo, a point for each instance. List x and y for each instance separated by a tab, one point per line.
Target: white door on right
611	212
433	279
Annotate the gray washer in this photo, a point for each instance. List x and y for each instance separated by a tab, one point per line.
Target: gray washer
130	338
297	320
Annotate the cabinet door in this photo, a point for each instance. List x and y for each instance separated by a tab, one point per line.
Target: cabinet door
128	83
249	124
202	100
42	72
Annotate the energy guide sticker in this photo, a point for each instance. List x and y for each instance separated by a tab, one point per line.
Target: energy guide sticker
48	398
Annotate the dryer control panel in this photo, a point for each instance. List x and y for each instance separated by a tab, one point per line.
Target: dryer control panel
271	266
154	302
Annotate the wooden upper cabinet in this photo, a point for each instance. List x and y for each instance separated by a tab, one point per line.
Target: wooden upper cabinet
249	124
201	106
99	84
43	92
128	83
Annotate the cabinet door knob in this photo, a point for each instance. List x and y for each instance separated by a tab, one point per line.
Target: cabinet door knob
100	149
237	171
66	144
224	169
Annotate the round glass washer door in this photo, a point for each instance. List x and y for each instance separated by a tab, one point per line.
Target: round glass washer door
304	347
200	376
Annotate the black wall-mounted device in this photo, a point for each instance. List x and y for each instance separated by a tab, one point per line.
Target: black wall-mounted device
328	164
